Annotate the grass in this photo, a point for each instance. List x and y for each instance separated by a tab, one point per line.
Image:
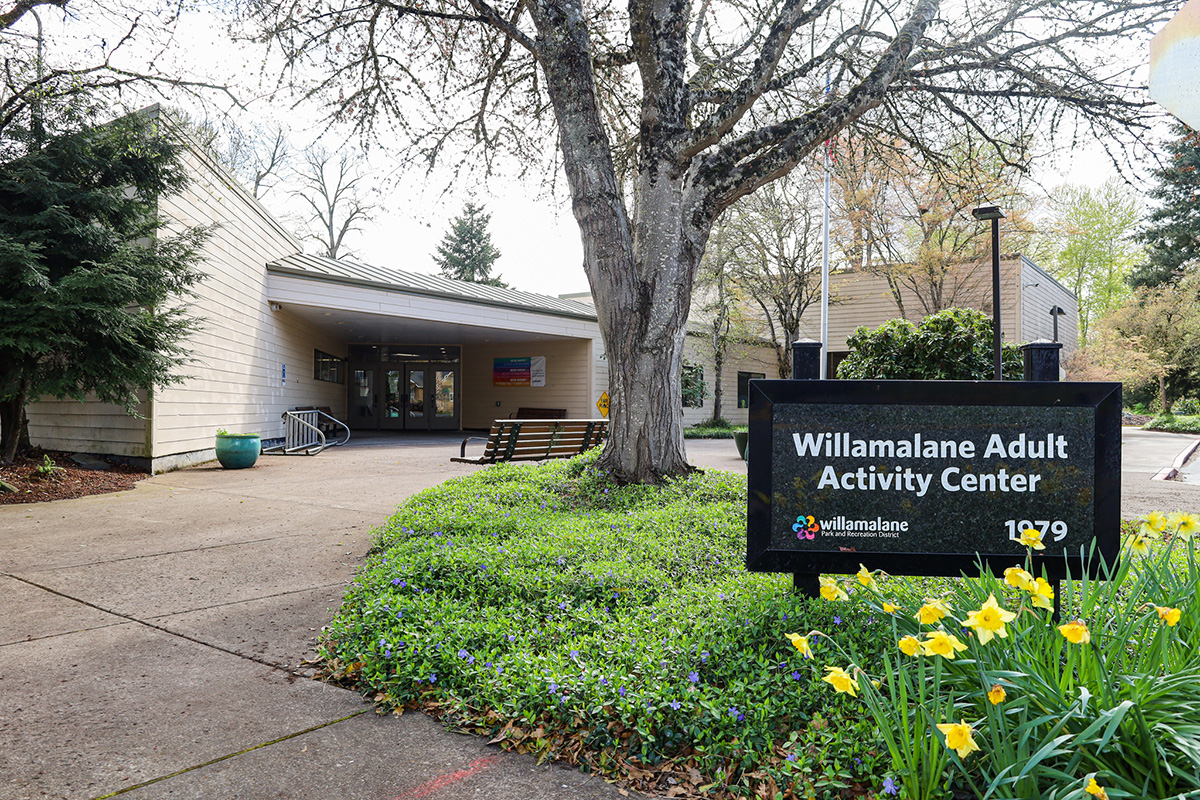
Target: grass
616	628
1174	424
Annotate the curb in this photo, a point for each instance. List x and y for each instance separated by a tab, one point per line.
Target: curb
1170	473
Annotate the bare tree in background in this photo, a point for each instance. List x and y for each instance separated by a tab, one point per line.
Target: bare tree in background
665	114
97	72
331	186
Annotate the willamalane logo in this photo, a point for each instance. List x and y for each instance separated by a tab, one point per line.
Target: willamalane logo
806	527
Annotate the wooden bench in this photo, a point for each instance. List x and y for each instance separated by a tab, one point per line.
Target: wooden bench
538	413
536	439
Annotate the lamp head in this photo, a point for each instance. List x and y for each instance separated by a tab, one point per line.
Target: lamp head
987	212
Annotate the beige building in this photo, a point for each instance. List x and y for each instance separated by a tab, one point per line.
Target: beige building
385	349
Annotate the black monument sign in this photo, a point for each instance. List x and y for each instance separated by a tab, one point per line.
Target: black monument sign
926	477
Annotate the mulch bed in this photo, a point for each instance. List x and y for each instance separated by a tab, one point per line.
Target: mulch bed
66	481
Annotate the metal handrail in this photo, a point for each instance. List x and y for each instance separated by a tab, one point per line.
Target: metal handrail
334	419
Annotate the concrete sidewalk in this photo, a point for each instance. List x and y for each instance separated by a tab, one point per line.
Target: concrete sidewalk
151	639
150	642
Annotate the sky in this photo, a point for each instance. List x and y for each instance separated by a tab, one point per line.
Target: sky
531	223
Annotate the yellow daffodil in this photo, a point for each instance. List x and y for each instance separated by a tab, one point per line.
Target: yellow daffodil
831	590
931	612
888	608
1076	632
996	696
1019	579
1031	537
801	644
910	646
840	680
1153	524
958	738
864	576
1139	544
1168	615
1096	790
1042	594
989	620
940	643
1185	525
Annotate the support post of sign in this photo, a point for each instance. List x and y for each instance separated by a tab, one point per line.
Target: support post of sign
806	360
1041	360
806	366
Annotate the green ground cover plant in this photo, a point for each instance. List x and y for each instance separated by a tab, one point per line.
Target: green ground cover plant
1174	424
707	432
616	628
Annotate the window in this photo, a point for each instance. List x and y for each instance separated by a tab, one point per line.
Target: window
327	367
693	385
744	379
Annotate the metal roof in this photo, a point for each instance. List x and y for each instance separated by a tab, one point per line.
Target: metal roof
349	272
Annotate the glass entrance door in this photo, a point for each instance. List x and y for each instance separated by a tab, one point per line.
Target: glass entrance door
364	398
420	397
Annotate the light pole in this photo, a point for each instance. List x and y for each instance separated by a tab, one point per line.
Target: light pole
995	215
1055	313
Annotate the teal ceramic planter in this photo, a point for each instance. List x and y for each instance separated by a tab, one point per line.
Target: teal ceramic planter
741	439
238	451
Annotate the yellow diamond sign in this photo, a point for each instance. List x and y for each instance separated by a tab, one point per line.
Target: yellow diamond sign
1175	65
602	404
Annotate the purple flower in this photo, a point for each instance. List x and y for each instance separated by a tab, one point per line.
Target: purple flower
676	705
562	605
387	653
694	677
837	620
574	654
621	691
703	656
604	681
470	659
433	677
512	638
733	712
553	687
791	757
795	676
889	786
398	582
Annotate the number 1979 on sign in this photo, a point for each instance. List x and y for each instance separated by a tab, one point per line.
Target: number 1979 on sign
1057	528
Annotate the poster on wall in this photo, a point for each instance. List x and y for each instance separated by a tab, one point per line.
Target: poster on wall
926	477
521	371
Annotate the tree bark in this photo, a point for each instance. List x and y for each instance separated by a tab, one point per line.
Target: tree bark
11	414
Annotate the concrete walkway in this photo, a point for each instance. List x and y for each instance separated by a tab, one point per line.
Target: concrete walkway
151	640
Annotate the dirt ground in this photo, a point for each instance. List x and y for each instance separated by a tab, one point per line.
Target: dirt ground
65	480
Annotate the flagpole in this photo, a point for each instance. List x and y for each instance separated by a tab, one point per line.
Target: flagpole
825	257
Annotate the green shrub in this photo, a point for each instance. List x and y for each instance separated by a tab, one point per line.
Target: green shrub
955	344
1111	693
1173	424
710	432
1186	407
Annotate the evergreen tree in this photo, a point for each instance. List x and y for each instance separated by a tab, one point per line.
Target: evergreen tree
1172	234
87	307
466	252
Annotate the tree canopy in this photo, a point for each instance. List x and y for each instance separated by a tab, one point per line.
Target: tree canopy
87	306
466	252
664	114
1172	232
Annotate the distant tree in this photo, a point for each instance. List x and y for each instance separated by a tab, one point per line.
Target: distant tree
906	216
775	237
331	186
721	310
1093	233
1172	232
1164	321
87	307
466	252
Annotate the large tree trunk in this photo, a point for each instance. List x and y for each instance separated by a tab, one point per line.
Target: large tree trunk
12	414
